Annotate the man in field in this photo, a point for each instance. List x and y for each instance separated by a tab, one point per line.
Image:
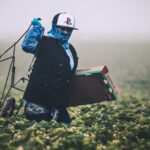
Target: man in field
47	93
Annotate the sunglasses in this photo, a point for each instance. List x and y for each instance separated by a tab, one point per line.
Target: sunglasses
65	29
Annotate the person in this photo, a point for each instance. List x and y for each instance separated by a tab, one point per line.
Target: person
47	94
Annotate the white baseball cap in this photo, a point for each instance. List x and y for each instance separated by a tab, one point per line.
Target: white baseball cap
64	20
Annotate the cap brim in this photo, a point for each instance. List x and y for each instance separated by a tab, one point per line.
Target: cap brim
75	29
66	27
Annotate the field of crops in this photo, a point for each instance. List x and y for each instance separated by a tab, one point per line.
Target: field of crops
118	125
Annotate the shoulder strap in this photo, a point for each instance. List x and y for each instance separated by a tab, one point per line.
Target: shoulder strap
74	53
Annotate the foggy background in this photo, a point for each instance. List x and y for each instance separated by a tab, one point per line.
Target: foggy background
115	33
105	19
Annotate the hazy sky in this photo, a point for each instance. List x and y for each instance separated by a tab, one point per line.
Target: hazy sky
105	18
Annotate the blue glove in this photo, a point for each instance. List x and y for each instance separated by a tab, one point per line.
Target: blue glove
35	22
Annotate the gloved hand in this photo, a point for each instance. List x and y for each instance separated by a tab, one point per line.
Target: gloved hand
36	22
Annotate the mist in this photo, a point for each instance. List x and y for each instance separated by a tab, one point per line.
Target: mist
97	19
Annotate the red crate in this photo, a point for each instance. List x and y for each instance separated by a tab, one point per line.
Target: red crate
92	85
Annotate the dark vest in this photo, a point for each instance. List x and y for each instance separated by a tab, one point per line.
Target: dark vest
50	78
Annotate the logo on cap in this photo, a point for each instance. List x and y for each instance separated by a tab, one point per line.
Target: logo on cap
68	21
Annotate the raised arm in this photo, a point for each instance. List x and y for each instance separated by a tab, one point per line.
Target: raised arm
32	37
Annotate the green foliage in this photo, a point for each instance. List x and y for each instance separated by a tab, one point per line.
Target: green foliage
118	125
122	124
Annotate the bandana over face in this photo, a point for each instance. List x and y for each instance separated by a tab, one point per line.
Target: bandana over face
60	35
63	41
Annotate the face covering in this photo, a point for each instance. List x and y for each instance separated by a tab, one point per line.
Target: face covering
63	41
58	34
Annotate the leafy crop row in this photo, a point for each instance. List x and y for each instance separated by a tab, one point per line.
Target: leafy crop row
113	125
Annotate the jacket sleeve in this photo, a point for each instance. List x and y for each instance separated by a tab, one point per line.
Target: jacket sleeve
32	38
